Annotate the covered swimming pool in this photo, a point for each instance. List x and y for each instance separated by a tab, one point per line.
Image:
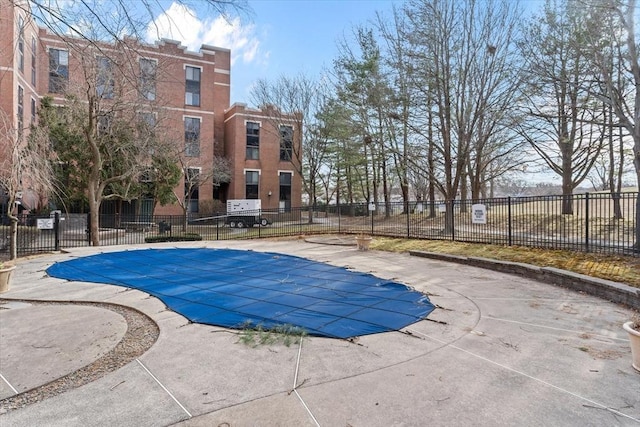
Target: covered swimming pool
236	288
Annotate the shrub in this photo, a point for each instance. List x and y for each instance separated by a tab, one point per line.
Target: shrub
187	237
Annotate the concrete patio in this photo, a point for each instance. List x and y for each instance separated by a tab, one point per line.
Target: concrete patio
499	350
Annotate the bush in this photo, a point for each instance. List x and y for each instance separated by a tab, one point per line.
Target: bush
187	237
210	207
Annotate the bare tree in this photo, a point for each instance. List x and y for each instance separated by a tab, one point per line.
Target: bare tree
101	120
195	177
343	154
361	84
396	55
564	121
615	19
24	167
101	105
296	100
464	53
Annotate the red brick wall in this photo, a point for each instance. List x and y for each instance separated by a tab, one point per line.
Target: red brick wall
268	164
222	130
170	95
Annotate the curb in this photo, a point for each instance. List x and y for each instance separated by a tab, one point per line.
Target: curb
605	289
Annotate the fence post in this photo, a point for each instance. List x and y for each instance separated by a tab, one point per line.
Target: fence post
56	231
89	228
116	226
408	209
371	212
586	221
509	229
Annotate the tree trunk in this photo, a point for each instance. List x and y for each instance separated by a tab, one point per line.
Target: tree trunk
431	163
94	215
310	213
185	216
464	190
567	180
448	217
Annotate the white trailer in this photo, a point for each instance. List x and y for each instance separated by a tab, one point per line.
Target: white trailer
245	213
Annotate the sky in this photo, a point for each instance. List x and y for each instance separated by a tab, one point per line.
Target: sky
277	37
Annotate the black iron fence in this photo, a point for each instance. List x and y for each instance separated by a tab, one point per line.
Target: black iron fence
593	222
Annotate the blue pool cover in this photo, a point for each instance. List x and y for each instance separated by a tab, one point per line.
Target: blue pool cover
235	288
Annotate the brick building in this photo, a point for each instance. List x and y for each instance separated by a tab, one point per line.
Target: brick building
19	59
260	146
185	94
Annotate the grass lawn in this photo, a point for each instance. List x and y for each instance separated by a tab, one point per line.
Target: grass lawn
617	268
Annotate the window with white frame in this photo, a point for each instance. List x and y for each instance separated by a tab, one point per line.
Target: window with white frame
147	131
192	188
148	70
252	181
33	111
105	83
34	47
285	191
20	111
253	140
58	70
192	136
192	86
21	44
286	143
105	123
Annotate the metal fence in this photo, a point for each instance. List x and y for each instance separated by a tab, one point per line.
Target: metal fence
598	223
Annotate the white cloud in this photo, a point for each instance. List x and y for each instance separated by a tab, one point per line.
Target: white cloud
180	23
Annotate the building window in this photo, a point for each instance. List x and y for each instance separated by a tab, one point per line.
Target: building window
105	83
58	70
21	44
191	188
253	141
147	131
33	60
252	178
105	123
147	175
33	111
192	137
147	123
285	191
20	111
192	95
286	143
148	69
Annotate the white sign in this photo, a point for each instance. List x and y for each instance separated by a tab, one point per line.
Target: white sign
478	214
45	223
442	207
372	206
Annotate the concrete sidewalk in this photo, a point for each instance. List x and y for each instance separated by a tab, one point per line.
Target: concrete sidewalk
499	350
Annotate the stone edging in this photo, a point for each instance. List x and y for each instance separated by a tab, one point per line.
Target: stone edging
605	289
142	332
